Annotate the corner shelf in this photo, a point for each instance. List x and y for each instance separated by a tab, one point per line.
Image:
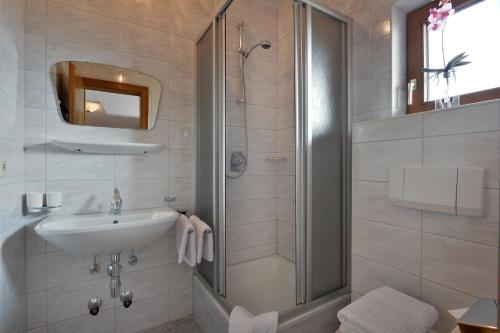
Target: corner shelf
107	148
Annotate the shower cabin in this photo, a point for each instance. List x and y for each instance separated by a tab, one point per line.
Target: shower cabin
273	157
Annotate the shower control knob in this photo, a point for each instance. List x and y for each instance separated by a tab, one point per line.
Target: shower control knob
238	162
94	305
127	304
126	298
94	267
132	260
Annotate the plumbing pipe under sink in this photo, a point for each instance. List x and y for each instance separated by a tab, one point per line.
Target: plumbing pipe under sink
114	272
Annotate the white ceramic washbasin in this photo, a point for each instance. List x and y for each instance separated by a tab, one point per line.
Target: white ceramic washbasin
100	233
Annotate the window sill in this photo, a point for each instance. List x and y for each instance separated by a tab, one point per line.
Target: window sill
423	113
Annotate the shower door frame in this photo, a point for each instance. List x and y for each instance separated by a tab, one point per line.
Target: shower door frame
302	25
303	141
221	39
218	137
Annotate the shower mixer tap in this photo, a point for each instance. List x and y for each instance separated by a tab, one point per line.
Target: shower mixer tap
238	160
113	271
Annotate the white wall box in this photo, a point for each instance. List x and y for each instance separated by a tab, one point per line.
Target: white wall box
432	189
470	192
395	187
457	191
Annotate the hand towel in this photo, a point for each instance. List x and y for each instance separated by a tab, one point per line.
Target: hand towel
185	241
242	321
386	310
204	239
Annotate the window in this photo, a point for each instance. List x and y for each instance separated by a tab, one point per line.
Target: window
474	29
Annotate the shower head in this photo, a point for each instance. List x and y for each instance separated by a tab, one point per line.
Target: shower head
265	44
244	54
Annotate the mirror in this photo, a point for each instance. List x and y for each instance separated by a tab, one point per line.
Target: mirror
93	94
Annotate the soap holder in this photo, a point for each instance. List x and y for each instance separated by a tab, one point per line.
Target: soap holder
42	209
37	202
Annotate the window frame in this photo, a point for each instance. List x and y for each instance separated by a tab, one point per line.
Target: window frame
416	21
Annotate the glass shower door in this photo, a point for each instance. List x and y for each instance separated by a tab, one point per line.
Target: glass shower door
323	168
273	168
206	166
327	119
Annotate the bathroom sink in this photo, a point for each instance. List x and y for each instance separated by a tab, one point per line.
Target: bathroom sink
104	233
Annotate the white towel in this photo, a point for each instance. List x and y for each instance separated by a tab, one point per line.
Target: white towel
204	240
185	241
242	321
386	310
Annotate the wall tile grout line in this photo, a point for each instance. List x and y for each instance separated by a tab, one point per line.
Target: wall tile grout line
115	18
421	229
420	278
115	178
115	306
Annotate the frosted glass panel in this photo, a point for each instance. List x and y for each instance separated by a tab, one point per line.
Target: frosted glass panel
327	120
206	152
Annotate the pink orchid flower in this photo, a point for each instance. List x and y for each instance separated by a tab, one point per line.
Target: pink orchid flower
437	16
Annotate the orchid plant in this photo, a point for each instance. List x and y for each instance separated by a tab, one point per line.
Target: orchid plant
437	21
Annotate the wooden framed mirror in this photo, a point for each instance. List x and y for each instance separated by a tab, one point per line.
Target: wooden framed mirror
106	96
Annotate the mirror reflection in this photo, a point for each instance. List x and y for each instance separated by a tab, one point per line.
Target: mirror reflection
93	94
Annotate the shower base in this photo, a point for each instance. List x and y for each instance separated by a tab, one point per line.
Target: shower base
262	285
212	312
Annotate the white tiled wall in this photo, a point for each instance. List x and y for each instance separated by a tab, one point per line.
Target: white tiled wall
12	261
260	205
371	95
442	259
252	200
431	256
371	63
155	37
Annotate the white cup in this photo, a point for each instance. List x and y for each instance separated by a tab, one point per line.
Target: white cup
53	199
34	200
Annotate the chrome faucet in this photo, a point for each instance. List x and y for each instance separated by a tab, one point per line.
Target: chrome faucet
116	203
